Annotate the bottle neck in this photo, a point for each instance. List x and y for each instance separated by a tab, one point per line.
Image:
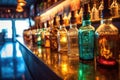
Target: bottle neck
86	22
106	21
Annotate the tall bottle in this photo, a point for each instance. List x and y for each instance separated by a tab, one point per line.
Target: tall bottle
114	8
47	36
106	39
53	36
62	37
100	9
73	37
94	12
86	36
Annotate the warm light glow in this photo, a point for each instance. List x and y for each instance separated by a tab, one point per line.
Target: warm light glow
63	39
21	2
64	68
105	48
19	8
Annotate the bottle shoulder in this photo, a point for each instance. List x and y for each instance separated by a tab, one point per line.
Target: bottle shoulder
89	27
107	28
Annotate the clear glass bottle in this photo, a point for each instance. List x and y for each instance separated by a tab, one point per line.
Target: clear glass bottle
62	37
43	34
114	8
100	9
73	37
86	36
94	12
47	36
106	39
53	36
81	14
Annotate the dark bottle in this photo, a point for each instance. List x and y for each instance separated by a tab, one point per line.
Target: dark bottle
86	36
106	39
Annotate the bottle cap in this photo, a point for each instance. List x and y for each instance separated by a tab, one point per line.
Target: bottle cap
106	13
61	20
72	19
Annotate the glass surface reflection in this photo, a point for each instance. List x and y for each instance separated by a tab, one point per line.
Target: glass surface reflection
86	71
73	69
12	64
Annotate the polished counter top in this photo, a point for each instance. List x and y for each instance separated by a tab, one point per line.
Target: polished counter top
73	69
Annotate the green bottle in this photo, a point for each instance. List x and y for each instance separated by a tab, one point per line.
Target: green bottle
86	36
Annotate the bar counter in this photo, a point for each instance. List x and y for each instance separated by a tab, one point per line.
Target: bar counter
46	65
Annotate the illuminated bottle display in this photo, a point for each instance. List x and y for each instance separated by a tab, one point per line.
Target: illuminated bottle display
53	36
86	36
62	37
73	37
106	39
114	8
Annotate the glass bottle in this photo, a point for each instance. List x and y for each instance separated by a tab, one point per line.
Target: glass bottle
53	36
100	9
114	8
43	34
47	36
39	35
81	14
73	37
94	12
106	39
62	37
86	36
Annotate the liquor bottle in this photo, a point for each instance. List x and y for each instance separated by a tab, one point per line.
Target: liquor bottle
53	36
47	36
81	14
106	39
66	20
86	37
62	37
73	37
100	9
39	35
43	34
94	12
114	8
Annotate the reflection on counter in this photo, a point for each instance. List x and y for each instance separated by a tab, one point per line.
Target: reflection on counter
69	69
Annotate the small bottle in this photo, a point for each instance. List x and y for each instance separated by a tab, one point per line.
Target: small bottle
73	37
43	34
86	37
100	9
47	36
106	39
94	12
62	37
114	8
39	35
81	14
53	36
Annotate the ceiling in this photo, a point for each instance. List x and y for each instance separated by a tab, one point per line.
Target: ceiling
6	3
11	5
